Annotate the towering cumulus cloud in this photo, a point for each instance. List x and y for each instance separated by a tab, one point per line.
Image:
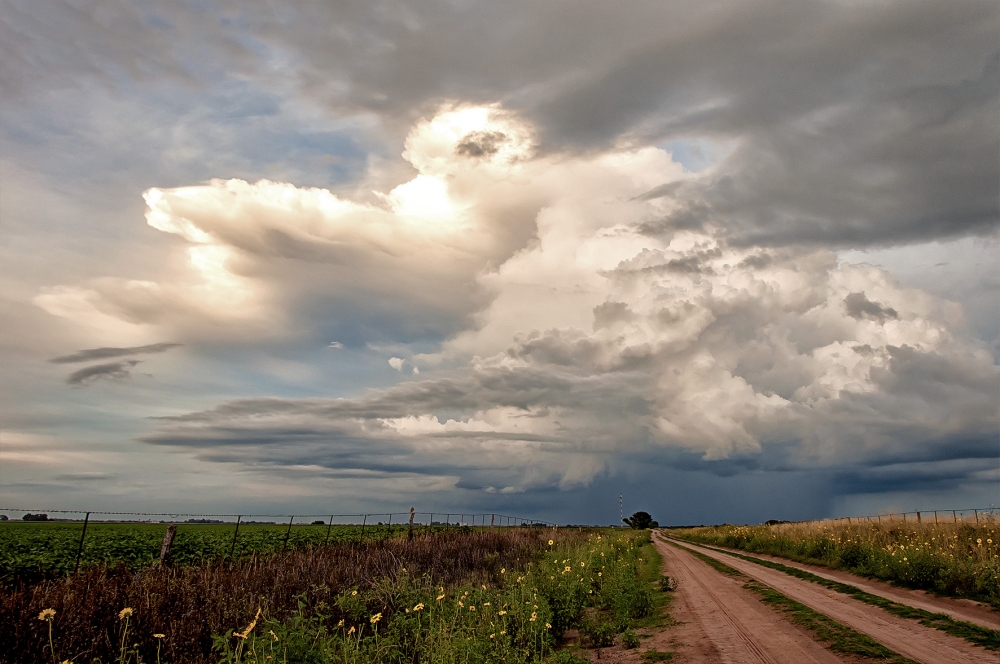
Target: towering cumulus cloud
578	324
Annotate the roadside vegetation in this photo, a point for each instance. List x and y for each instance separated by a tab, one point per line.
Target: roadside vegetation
954	559
505	595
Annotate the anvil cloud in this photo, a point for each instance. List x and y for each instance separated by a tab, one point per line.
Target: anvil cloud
619	251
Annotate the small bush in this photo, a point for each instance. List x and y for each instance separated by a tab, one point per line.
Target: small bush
600	633
567	657
630	639
667	584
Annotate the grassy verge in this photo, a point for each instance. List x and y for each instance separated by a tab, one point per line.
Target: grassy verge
832	634
650	564
981	636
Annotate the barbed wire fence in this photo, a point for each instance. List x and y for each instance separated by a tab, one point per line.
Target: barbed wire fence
411	522
968	515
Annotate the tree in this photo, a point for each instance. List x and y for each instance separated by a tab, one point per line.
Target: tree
641	521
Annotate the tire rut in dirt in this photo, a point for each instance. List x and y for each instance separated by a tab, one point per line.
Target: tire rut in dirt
907	637
741	629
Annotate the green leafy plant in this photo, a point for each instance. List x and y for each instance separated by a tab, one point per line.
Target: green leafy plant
630	639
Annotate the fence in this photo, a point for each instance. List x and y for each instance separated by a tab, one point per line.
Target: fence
370	526
971	514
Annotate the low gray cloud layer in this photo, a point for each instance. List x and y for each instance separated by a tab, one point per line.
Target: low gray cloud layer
104	353
109	371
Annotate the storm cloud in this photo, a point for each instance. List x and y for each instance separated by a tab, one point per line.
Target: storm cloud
556	245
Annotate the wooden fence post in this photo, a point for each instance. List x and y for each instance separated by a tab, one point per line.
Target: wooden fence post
492	518
410	536
232	549
79	548
288	532
918	516
388	527
327	540
363	522
168	540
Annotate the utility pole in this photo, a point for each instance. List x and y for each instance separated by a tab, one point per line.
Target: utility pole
621	511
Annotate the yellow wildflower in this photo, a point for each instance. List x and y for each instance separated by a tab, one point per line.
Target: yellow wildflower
159	636
375	618
419	607
124	613
47	614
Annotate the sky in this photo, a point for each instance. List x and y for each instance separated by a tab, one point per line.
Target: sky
732	260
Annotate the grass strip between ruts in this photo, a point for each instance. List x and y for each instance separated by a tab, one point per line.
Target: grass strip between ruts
977	634
832	634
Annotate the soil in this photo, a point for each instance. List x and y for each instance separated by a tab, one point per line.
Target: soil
716	621
960	609
906	637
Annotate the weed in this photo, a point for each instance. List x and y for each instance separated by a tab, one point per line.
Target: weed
630	639
654	655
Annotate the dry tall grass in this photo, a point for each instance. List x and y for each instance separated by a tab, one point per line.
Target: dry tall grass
189	604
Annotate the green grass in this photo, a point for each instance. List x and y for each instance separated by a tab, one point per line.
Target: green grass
981	636
650	564
34	550
834	635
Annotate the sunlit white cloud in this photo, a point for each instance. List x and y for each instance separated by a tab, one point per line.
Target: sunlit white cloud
681	340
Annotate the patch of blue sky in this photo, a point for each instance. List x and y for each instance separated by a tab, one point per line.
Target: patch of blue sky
694	154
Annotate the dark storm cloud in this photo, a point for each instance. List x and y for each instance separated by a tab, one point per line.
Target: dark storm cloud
109	371
845	123
104	353
858	306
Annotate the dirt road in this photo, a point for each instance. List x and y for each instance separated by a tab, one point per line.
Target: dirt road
907	637
723	623
959	609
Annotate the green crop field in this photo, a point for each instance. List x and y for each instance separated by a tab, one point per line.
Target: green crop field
33	550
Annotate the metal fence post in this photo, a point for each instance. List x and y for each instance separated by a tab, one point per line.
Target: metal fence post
287	533
232	549
79	548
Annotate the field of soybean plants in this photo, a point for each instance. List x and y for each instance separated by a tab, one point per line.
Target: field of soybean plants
504	595
960	559
36	550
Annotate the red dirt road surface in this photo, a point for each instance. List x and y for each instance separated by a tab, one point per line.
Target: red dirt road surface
723	623
906	637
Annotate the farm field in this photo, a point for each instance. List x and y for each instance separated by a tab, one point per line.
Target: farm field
954	559
479	596
35	550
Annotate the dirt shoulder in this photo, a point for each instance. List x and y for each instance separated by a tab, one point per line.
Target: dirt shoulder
907	637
